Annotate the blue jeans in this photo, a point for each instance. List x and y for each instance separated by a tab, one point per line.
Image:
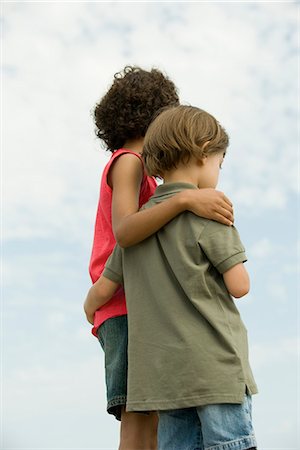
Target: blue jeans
211	427
113	337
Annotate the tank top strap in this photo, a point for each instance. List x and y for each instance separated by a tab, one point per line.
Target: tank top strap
117	154
123	151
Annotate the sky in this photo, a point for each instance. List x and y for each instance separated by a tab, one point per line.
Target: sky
238	61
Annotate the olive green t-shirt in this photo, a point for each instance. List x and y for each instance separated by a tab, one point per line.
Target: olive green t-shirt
187	345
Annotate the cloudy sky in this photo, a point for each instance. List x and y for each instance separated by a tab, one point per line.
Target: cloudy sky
238	60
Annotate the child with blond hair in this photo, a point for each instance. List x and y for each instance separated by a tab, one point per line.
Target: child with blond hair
187	349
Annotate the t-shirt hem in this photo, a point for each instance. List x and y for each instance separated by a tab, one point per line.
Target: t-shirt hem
196	400
189	402
111	275
231	262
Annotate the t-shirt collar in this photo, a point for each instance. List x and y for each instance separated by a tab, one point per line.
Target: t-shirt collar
172	188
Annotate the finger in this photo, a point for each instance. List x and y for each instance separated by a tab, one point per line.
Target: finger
226	213
225	210
222	204
226	199
222	219
225	202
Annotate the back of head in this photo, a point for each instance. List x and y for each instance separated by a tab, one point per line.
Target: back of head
127	109
179	133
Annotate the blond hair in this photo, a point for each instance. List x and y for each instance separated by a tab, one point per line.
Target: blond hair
179	133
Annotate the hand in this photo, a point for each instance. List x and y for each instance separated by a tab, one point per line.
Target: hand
90	315
99	294
211	204
90	318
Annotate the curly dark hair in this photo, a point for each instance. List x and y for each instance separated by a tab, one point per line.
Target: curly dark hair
127	109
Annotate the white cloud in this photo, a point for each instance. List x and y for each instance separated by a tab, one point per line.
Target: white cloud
60	402
69	53
278	292
274	364
56	319
262	249
266	355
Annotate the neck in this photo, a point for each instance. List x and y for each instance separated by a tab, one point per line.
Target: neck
135	145
184	174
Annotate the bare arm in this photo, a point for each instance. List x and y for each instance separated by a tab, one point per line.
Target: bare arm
98	295
237	281
131	226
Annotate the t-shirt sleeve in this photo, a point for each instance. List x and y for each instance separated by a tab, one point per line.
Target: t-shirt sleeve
113	269
222	246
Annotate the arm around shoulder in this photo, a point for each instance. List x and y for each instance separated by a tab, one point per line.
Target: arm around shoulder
136	226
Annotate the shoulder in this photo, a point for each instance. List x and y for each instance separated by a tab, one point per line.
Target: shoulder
211	227
218	234
125	165
126	157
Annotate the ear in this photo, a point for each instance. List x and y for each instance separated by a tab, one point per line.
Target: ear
204	157
201	161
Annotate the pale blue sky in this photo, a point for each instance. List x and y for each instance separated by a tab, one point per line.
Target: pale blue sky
236	60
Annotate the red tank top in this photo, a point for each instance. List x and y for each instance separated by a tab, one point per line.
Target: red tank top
104	240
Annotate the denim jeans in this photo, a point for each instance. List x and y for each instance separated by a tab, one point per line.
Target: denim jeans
211	427
113	337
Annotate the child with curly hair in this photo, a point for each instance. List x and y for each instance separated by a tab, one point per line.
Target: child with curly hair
122	117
